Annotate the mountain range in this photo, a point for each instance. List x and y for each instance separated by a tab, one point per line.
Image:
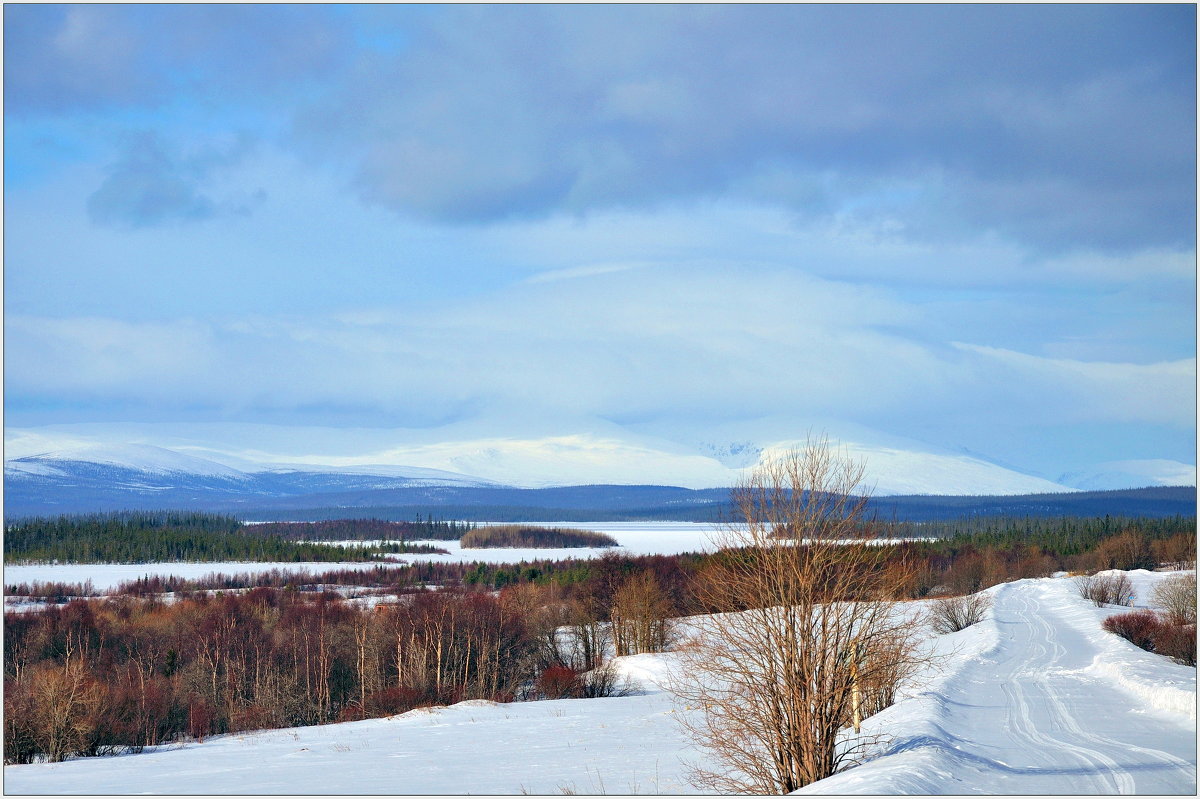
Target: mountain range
89	468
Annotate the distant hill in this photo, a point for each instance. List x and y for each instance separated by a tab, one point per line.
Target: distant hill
666	503
140	477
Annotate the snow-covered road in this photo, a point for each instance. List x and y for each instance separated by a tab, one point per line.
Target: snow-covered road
1042	710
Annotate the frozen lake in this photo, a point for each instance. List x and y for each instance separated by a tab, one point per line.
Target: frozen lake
635	538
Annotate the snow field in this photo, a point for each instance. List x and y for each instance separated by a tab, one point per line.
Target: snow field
623	745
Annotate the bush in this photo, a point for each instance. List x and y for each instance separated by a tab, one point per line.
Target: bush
1177	641
1177	597
958	613
1154	633
605	680
1106	589
559	682
1138	627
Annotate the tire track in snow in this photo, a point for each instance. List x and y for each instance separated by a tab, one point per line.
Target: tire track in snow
1110	776
1070	721
1021	722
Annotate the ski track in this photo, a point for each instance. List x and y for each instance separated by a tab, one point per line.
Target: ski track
1026	717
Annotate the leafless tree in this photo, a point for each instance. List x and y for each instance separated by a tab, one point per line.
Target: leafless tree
956	613
640	616
812	641
1106	589
1177	597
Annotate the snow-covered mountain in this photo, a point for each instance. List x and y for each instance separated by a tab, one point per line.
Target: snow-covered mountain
1126	474
263	463
240	462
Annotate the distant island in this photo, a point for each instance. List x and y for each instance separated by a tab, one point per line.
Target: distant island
519	536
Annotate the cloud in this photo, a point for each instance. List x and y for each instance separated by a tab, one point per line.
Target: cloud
690	345
62	57
148	185
623	342
1057	129
1063	389
70	58
1061	128
87	358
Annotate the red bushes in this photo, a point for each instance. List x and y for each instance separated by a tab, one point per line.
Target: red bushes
559	682
1178	642
1148	630
1137	627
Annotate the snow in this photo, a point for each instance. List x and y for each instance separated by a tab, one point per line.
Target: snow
107	576
1036	699
142	457
1013	707
589	746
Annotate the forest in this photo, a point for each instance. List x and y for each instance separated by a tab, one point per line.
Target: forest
144	537
117	673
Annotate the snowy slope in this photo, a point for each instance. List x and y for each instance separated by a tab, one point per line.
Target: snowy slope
137	457
1034	700
600	453
1127	474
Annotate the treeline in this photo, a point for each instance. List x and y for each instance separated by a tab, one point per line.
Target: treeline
1062	535
515	535
169	536
363	530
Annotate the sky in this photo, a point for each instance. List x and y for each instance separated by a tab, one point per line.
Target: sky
973	226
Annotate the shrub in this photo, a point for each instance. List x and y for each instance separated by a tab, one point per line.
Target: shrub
605	680
559	682
1106	589
1177	597
958	613
1176	641
1154	633
1138	627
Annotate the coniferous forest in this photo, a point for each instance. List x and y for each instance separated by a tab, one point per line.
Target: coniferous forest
179	536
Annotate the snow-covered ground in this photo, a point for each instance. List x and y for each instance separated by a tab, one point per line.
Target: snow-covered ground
635	538
1036	699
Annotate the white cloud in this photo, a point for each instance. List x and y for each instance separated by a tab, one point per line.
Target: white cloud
1074	390
93	356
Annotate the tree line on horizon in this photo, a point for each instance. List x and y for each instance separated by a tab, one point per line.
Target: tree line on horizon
143	537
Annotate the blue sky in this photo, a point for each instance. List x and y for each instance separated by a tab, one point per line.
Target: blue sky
971	225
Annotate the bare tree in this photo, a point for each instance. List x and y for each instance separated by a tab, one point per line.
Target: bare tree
812	640
958	612
1177	597
1106	589
640	616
